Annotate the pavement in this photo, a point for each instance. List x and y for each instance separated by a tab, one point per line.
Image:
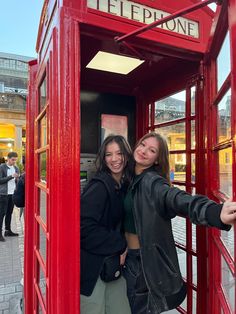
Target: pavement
11	267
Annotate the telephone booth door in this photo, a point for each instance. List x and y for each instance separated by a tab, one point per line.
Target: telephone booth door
220	179
180	123
176	90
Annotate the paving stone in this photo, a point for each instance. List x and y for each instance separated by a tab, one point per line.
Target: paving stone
7	290
19	288
11	269
4	306
14	306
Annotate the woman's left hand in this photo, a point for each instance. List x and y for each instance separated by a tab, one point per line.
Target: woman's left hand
228	212
123	257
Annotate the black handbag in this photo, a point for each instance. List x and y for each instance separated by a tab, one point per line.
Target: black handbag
111	269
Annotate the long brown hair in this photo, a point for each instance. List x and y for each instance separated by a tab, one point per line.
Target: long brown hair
125	150
162	165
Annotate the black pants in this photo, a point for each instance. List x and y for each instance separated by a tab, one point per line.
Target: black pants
139	297
6	209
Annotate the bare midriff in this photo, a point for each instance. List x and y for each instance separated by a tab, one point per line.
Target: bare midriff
132	240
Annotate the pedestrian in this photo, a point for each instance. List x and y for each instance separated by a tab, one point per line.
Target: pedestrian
9	172
103	245
2	160
154	281
19	193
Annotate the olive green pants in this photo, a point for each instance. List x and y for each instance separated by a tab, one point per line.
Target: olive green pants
107	298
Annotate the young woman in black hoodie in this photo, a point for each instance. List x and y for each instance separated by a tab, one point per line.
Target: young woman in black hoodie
101	235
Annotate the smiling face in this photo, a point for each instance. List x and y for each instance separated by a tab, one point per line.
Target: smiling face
114	160
146	154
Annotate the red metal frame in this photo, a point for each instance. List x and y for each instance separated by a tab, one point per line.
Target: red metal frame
63	23
172	16
217	250
201	246
29	217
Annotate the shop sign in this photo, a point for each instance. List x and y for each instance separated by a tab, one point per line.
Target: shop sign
144	14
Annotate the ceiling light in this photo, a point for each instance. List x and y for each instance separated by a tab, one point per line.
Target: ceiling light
110	62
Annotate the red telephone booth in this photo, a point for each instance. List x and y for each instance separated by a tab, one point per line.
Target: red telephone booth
181	82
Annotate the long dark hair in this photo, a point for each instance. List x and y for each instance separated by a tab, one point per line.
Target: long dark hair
162	165
125	150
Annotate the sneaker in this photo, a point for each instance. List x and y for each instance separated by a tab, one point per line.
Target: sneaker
2	239
9	233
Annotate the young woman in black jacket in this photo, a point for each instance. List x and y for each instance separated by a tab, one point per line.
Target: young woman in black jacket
154	281
101	236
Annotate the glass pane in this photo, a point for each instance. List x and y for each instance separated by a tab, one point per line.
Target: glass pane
194	237
43	167
149	114
40	309
43	131
42	244
179	229
225	170
194	302
194	263
183	305
181	187
42	285
43	205
228	284
178	167
223	62
224	118
193	99
182	262
170	108
175	135
228	240
193	167
193	132
42	94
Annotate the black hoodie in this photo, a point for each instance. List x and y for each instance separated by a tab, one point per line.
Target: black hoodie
101	216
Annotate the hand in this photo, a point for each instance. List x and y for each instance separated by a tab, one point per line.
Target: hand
123	257
15	175
228	212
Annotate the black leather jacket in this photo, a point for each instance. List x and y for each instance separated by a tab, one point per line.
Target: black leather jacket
155	204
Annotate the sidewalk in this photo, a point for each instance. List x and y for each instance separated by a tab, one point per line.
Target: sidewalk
11	268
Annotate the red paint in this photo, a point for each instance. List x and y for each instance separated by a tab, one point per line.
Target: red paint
70	34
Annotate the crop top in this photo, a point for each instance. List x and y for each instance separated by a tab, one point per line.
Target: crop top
129	225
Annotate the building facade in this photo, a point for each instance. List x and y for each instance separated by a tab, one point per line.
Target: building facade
13	93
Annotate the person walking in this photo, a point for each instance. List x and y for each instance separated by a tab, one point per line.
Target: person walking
2	160
152	272
9	172
103	245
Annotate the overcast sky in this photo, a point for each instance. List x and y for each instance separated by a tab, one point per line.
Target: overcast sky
19	26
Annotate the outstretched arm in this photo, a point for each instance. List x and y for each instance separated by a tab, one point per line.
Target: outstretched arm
228	212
